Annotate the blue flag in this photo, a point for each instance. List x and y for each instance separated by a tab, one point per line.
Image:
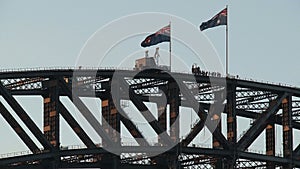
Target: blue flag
162	35
219	19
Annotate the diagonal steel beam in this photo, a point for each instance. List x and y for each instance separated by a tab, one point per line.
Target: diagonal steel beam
239	112
132	129
75	126
150	118
86	114
18	129
147	114
259	125
297	150
25	118
195	130
203	116
129	125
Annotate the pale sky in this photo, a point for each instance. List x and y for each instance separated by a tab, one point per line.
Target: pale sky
263	37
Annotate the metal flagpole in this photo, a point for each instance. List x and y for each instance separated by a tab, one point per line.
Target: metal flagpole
170	46
227	74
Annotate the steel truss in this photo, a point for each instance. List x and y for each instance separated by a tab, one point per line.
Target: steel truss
264	104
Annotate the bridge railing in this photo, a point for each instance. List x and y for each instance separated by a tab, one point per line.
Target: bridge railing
14	154
127	68
62	68
72	147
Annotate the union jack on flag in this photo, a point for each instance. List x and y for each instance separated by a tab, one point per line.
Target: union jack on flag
219	19
162	35
164	31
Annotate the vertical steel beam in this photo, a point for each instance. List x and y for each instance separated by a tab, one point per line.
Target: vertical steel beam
231	115
216	119
174	101
162	116
217	162
51	113
216	143
270	144
231	123
111	119
162	112
287	128
110	114
270	139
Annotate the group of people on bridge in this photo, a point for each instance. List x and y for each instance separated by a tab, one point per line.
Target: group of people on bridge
197	71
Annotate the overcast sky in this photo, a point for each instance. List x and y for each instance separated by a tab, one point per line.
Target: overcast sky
263	36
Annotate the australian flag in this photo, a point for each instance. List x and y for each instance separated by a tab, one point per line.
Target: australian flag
219	19
162	35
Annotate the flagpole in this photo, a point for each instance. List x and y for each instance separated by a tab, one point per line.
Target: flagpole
170	47
227	74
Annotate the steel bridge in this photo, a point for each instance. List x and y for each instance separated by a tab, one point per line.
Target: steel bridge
267	105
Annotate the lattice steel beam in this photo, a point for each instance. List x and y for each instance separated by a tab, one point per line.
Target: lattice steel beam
255	98
24	83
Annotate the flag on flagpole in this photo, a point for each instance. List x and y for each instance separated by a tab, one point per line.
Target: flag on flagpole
219	19
162	35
